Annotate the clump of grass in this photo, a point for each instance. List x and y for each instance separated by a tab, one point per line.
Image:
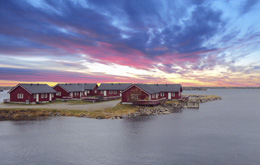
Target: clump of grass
118	110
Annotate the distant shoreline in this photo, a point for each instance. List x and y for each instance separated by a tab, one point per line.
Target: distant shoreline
184	88
206	88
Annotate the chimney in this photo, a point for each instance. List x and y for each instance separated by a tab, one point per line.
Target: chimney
157	84
166	84
38	84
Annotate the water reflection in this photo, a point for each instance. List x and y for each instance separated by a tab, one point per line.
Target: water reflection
220	132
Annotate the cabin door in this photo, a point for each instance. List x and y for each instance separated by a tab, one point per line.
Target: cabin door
169	95
37	97
105	93
50	97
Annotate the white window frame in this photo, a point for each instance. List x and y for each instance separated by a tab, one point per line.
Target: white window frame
173	94
34	96
94	91
86	92
58	94
153	96
115	92
20	96
101	92
162	94
42	95
110	92
46	95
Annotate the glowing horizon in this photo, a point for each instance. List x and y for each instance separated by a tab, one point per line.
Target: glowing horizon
194	43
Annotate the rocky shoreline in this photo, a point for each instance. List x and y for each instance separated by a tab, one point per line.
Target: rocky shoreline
163	109
172	107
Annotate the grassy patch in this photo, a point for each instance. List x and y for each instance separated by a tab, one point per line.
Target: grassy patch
118	110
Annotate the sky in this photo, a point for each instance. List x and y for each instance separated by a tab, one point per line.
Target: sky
192	42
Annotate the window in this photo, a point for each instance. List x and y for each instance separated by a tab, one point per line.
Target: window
153	95
34	96
157	94
134	96
110	92
162	94
173	94
58	94
85	92
42	96
19	96
115	92
46	95
101	92
52	95
95	91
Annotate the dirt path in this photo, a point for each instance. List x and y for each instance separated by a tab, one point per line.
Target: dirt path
67	106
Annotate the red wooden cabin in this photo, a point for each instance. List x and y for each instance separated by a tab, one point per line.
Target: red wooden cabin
151	94
32	93
112	89
75	91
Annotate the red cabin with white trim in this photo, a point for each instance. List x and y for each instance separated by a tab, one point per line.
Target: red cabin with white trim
32	93
151	94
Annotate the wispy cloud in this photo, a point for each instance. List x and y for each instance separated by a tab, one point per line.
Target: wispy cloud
170	41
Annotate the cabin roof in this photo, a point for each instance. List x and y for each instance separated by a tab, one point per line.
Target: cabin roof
148	88
114	86
167	87
35	88
77	87
72	87
157	88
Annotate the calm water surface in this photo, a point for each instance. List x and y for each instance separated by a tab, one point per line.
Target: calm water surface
220	132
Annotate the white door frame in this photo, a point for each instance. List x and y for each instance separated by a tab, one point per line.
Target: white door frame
105	93
169	95
37	97
50	97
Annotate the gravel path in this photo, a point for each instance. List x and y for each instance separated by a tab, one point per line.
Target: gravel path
67	106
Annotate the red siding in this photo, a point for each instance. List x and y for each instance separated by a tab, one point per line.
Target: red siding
76	95
27	96
61	90
20	90
93	92
126	96
112	93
